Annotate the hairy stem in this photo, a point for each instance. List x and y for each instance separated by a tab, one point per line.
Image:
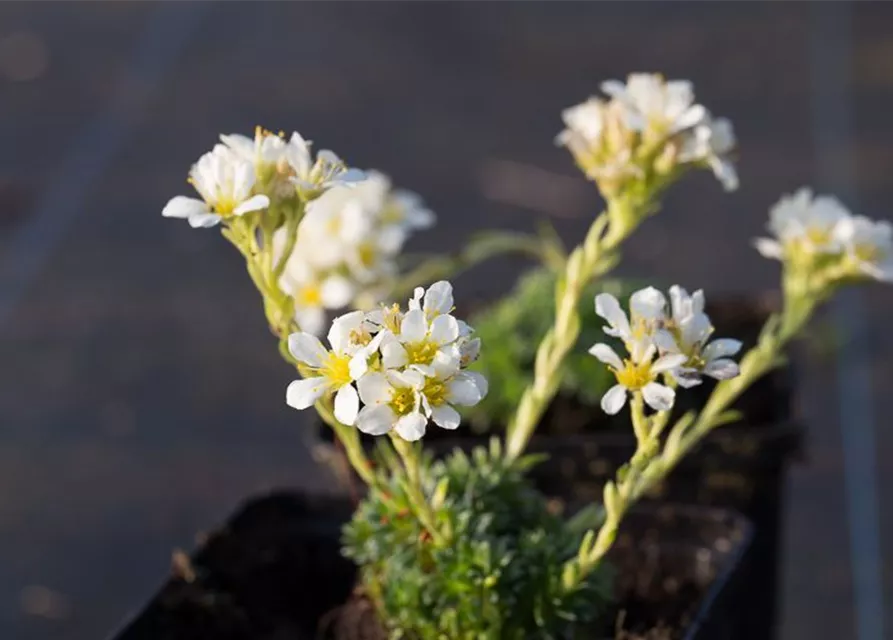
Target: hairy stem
410	456
595	257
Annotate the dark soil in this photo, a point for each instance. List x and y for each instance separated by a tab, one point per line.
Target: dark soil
275	573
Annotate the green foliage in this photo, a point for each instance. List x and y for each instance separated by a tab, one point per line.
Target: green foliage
497	576
510	331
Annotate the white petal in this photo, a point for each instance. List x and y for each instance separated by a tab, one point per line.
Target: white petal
444	329
446	363
412	426
721	348
393	355
183	207
342	326
376	420
648	303
668	362
204	220
336	292
478	380
438	299
769	248
686	378
307	348
665	341
311	320
658	397
301	394
722	369
607	355
463	391
255	203
414	327
374	388
359	364
407	378
608	308
243	180
614	399
445	416
347	404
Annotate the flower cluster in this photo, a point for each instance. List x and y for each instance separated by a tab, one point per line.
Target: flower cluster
647	130
406	367
341	228
817	233
674	346
241	175
348	243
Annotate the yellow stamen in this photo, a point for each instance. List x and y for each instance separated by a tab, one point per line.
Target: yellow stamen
337	369
309	296
421	352
634	376
436	391
402	400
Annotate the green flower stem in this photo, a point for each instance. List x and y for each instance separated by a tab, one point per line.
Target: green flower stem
409	454
595	257
350	439
480	248
278	307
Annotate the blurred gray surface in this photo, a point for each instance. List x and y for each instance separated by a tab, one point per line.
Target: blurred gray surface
141	395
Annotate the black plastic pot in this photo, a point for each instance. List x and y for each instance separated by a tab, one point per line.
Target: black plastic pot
741	466
274	570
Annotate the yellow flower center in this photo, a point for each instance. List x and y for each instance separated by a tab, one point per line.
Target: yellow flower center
818	236
634	376
367	254
421	352
392	213
867	253
436	391
360	336
402	400
309	296
337	369
391	318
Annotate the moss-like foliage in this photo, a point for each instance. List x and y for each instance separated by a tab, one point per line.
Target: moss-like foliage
510	332
499	574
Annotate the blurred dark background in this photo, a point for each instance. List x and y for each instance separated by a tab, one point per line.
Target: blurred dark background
141	395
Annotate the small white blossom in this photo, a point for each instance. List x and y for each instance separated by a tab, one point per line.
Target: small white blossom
327	171
225	183
686	332
640	371
868	244
713	141
803	223
393	400
334	371
637	376
585	121
435	301
314	292
652	101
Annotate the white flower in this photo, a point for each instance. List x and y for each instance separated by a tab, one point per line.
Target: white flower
396	208
713	141
419	342
225	183
392	400
640	372
265	150
801	223
328	170
448	385
687	333
334	371
868	244
647	308
637	376
652	101
314	292
585	120
436	301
